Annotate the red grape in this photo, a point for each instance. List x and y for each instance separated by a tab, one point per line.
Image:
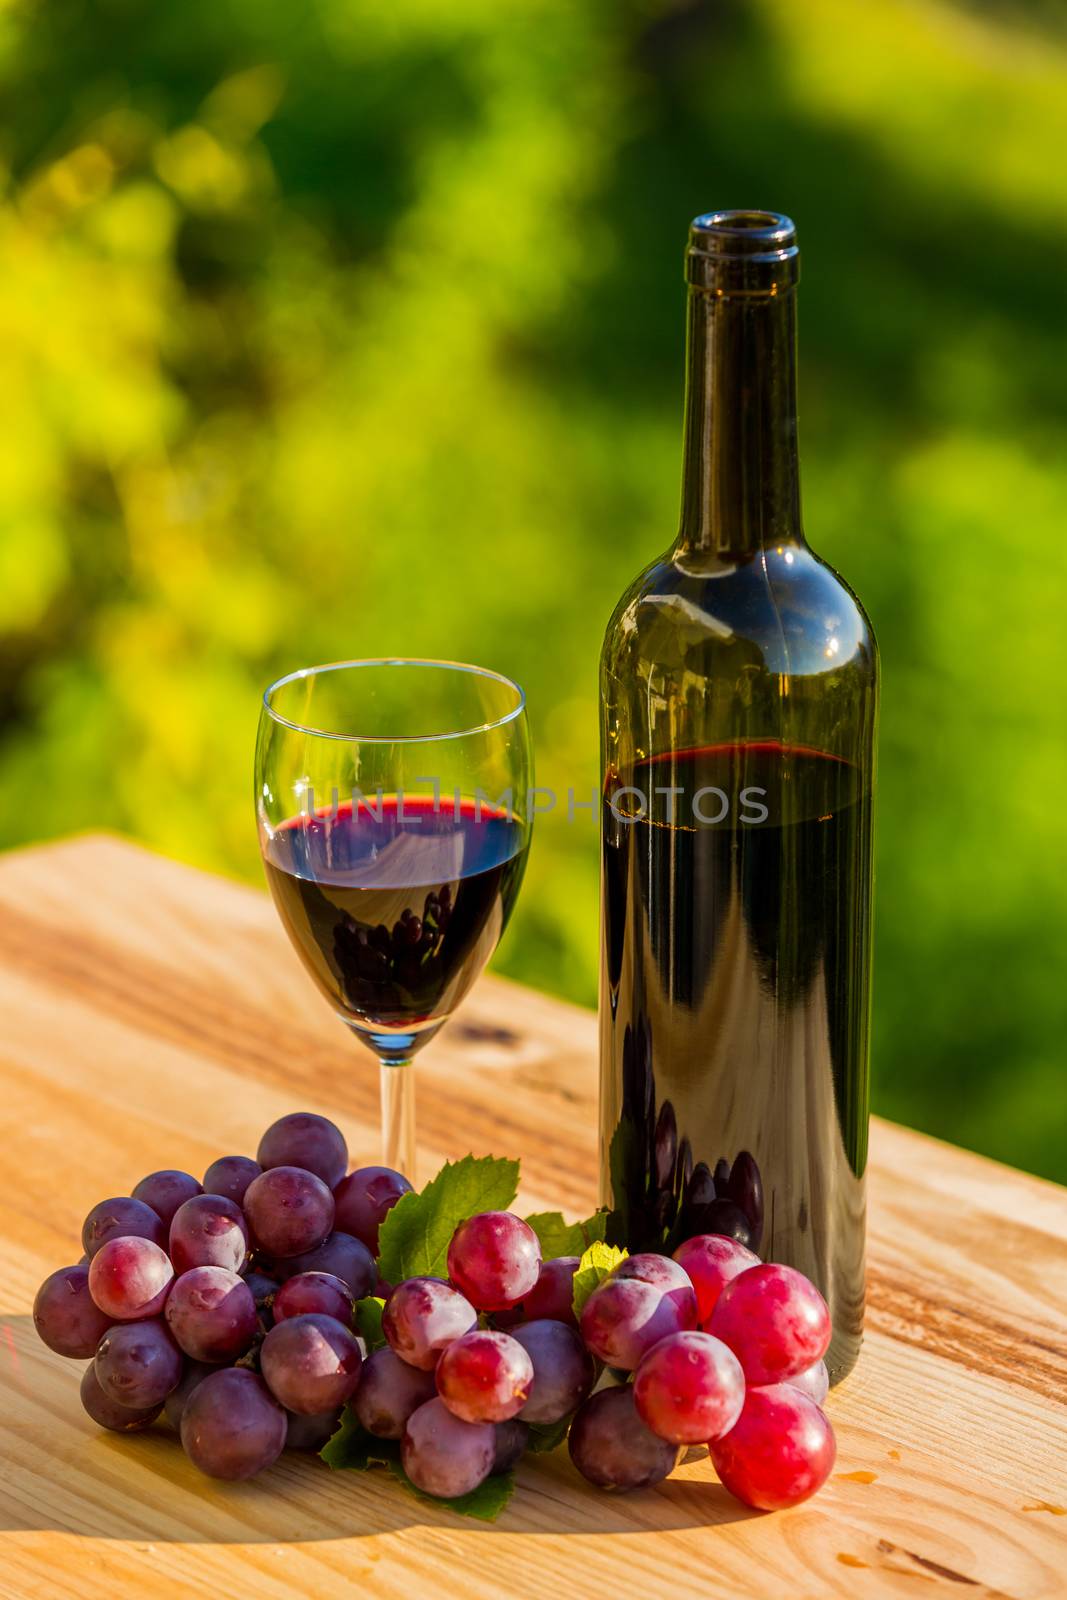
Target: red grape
443	1455
552	1296
625	1317
212	1314
666	1275
512	1438
814	1381
304	1140
107	1413
208	1231
311	1363
389	1391
563	1370
138	1364
422	1317
612	1447
347	1258
494	1259
689	1388
774	1320
780	1452
230	1176
130	1278
66	1316
121	1218
712	1261
165	1191
315	1291
484	1377
289	1211
231	1426
363	1200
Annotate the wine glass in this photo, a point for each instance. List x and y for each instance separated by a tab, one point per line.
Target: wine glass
391	799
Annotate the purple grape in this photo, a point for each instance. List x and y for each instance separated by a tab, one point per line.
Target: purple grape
611	1446
304	1140
106	1413
230	1176
165	1191
289	1211
311	1433
174	1404
311	1363
422	1317
563	1370
212	1314
363	1200
444	1456
121	1218
130	1278
208	1231
625	1317
552	1296
66	1316
484	1376
315	1291
347	1258
512	1438
231	1426
389	1391
138	1364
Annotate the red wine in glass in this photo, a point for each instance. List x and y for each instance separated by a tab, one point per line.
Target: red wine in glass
395	905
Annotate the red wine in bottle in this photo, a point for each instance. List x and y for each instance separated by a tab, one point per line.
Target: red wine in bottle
739	705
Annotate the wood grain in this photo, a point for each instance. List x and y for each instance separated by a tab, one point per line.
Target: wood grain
155	1016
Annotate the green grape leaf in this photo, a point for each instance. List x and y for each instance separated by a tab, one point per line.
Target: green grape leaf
369	1321
545	1436
596	1264
561	1238
414	1237
354	1449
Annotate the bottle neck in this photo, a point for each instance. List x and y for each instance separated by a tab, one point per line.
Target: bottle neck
740	478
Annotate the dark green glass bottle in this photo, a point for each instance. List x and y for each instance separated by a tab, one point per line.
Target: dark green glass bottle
739	706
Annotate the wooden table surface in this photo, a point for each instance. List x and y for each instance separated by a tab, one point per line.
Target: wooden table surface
155	1016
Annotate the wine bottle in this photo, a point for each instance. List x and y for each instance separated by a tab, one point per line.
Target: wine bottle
739	706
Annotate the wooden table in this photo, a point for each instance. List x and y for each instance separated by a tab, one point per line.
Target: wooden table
155	1016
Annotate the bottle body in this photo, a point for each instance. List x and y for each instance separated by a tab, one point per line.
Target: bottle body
739	703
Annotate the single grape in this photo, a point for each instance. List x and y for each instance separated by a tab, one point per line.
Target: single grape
712	1261
121	1218
174	1405
311	1363
289	1211
666	1275
443	1455
107	1413
311	1433
363	1200
315	1291
212	1314
512	1437
389	1391
780	1451
231	1426
625	1317
612	1447
552	1296
304	1140
422	1317
484	1377
230	1176
494	1259
66	1316
689	1388
563	1370
130	1278
165	1191
774	1320
814	1381
208	1231
138	1364
347	1258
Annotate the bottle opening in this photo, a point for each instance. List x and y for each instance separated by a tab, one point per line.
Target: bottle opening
743	252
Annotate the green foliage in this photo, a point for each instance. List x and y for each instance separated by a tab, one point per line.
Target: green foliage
369	1321
596	1264
365	335
558	1237
414	1237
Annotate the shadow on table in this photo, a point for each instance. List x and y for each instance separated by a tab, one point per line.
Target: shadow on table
65	1474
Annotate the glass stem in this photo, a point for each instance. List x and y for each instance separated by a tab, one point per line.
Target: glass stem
398	1117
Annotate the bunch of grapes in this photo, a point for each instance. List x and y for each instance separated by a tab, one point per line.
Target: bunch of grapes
228	1305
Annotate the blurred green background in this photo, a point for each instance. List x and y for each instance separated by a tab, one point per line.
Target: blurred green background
346	328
